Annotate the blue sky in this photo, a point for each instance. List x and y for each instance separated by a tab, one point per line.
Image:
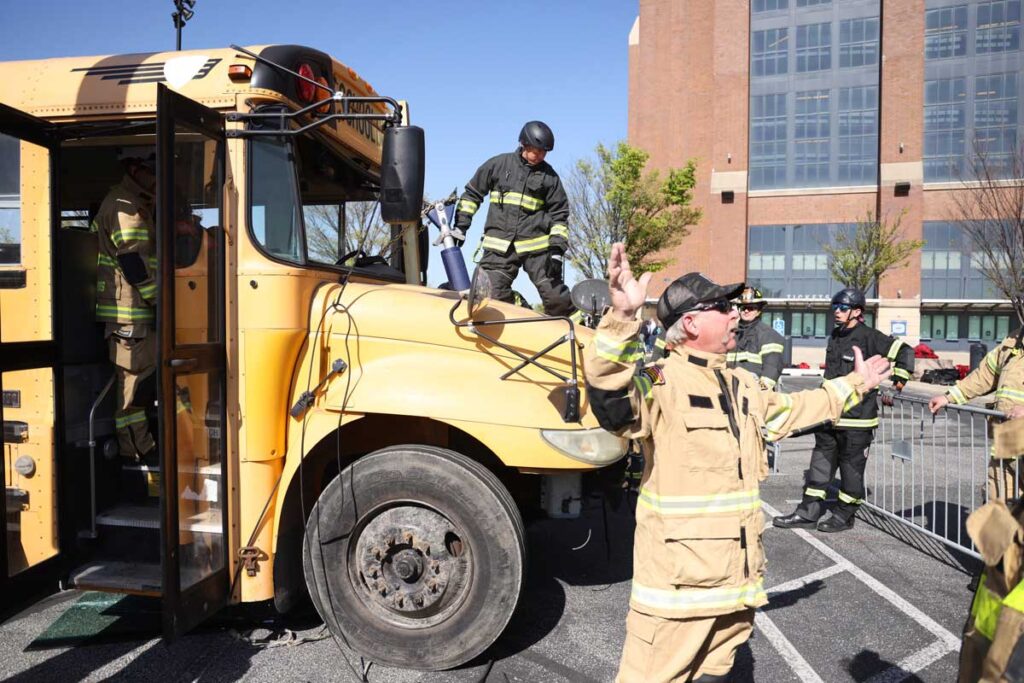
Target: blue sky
473	72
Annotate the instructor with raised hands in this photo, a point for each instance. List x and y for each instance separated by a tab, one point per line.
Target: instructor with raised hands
697	560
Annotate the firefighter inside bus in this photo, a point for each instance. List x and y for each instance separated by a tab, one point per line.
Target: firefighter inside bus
126	289
126	293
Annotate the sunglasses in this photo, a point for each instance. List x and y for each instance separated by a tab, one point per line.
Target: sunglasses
720	305
750	307
842	308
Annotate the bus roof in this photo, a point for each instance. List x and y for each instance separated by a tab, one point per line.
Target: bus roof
117	86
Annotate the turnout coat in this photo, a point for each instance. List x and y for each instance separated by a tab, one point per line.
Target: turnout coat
703	428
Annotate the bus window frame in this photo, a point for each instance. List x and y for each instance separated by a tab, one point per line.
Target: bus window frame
306	264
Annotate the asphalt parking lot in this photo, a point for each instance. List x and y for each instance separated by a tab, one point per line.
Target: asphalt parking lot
869	604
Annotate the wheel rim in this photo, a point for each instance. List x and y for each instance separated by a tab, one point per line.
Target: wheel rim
411	565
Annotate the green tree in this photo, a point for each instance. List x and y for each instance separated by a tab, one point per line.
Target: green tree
859	257
615	199
331	234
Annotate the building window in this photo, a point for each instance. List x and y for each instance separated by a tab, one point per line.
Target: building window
995	122
770	5
949	267
811	137
998	27
940	326
945	32
770	52
789	261
858	42
809	325
766	259
987	327
813	47
812	3
858	134
767	141
944	128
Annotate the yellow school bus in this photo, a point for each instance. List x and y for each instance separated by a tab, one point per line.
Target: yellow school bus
326	424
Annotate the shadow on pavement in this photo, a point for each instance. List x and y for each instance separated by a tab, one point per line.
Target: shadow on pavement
791	597
948	517
867	664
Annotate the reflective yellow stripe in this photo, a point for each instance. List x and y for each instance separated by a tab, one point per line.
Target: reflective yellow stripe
985	609
956	396
115	311
495	244
743	357
894	349
900	373
1010	394
660	343
576	316
769	382
992	361
559	230
534	244
128	419
846	498
517	199
115	237
843	392
735	501
771	348
775	422
466	206
628	351
688	600
644	385
137	234
104	260
148	291
858	423
814	493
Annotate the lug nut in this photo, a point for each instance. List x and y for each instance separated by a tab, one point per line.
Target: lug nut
374	573
390	541
407	537
377	553
418	601
432	586
400	601
384	591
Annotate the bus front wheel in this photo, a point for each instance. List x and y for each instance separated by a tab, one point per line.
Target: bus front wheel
414	556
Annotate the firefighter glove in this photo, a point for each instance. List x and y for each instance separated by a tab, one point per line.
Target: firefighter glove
459	236
556	265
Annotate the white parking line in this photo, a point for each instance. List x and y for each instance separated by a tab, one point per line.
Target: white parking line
947	642
804	580
799	665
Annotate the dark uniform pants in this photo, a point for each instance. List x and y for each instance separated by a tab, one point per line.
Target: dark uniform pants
503	269
845	450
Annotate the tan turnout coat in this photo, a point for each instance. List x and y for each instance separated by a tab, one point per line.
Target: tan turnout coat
698	548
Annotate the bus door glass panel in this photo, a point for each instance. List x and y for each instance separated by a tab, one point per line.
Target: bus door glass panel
197	253
27	355
197	198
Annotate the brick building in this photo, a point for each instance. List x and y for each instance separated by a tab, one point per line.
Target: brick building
803	116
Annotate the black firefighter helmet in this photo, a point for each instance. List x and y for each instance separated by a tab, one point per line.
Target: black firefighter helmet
537	134
850	296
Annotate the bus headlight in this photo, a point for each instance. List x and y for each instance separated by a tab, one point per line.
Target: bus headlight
592	446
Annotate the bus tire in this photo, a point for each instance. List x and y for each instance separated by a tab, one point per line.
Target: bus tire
414	556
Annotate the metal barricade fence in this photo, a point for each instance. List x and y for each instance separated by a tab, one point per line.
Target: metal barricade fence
929	472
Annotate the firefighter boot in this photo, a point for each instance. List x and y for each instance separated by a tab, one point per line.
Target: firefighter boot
836	523
804	517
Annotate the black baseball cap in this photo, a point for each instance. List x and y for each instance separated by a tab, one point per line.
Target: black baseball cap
688	292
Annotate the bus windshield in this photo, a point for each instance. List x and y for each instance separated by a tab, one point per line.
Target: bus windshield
311	208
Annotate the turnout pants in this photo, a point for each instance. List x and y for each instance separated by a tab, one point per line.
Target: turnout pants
701	649
845	450
133	353
503	269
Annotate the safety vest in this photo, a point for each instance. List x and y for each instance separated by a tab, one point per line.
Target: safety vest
992	649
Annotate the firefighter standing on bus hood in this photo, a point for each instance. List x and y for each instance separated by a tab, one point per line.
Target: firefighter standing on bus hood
527	220
758	347
845	445
698	562
126	290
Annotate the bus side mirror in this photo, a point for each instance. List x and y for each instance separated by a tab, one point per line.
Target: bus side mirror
403	165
